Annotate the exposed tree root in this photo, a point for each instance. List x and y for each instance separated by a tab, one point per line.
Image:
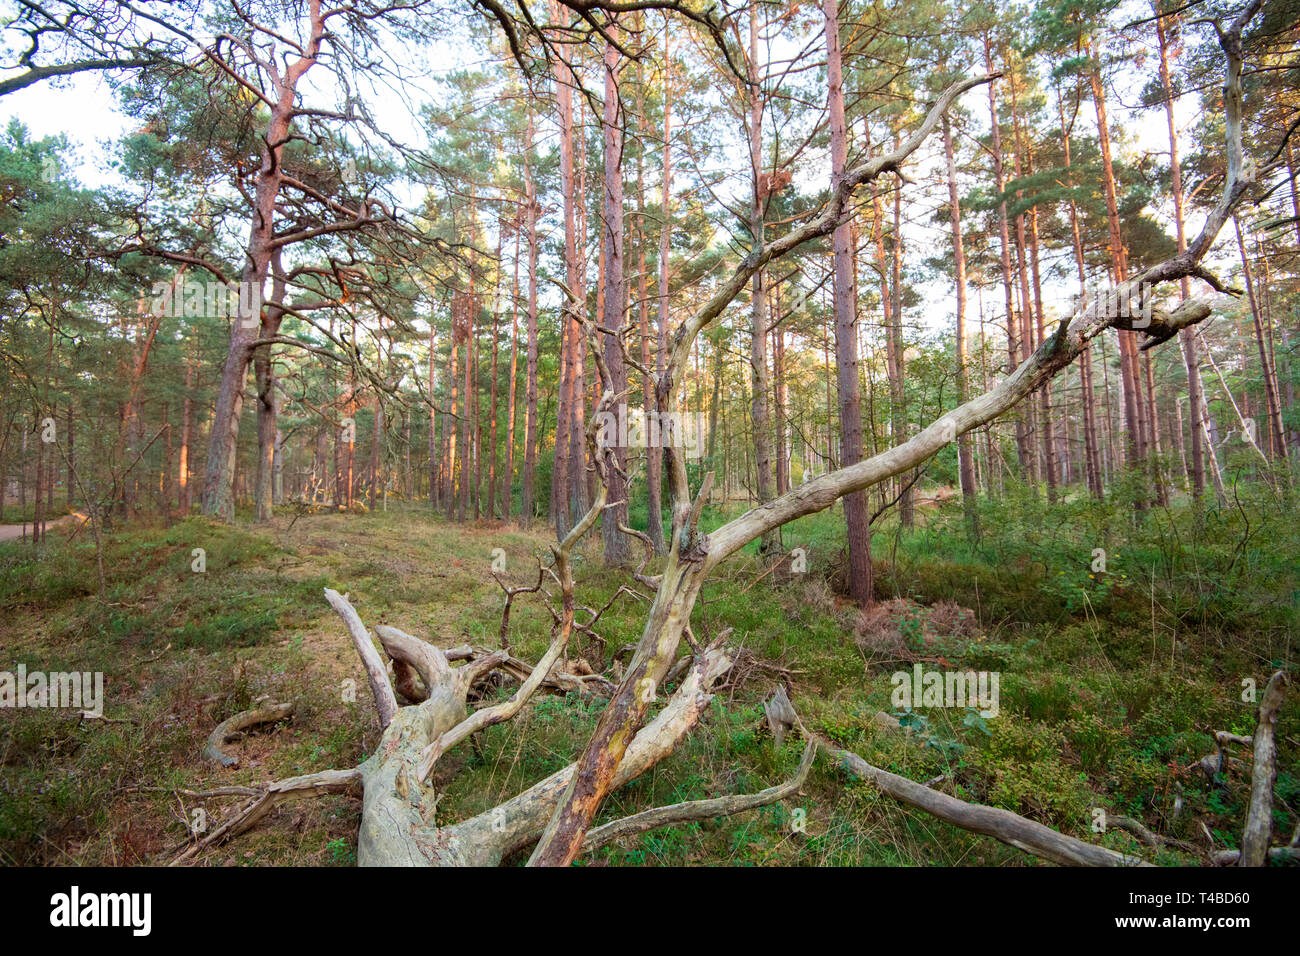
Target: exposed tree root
398	825
231	726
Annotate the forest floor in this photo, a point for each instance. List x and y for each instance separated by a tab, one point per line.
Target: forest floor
1111	685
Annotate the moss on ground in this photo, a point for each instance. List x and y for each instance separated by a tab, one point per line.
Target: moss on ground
1111	683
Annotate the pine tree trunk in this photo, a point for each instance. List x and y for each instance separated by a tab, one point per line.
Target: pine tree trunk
492	390
468	400
615	542
560	490
1275	444
906	501
164	478
1024	451
965	464
1051	466
759	410
38	500
648	403
451	422
350	446
473	396
433	416
264	375
72	453
856	520
654	467
1130	373
508	486
218	482
527	492
1186	337
1027	300
1091	445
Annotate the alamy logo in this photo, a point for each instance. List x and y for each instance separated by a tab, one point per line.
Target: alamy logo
75	909
194	299
639	429
921	688
79	690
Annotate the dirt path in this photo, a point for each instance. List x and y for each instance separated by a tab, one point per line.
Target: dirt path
8	532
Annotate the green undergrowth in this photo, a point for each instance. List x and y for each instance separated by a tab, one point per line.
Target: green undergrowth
1111	683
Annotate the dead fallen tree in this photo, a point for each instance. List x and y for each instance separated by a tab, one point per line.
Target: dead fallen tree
1258	831
398	817
557	814
693	554
1003	825
398	826
1047	844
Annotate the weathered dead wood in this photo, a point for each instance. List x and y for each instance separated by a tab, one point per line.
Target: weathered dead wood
1277	854
693	555
1003	825
780	714
397	819
497	713
1258	831
1135	827
1211	765
398	825
699	809
312	784
558	681
1282	854
231	726
511	594
589	628
1147	835
1223	738
429	662
484	840
677	669
385	702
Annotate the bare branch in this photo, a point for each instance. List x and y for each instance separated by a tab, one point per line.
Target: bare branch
699	809
385	702
1010	828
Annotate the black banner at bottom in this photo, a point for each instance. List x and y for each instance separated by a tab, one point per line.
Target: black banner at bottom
913	906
